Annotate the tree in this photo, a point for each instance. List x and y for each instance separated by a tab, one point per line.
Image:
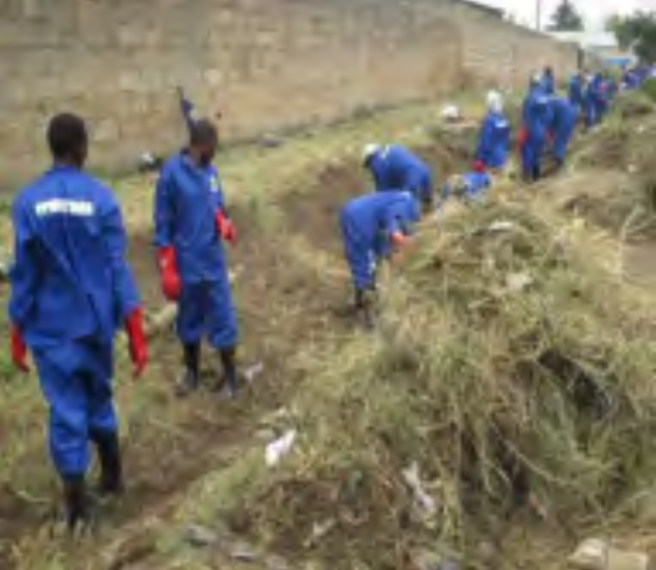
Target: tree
566	18
636	32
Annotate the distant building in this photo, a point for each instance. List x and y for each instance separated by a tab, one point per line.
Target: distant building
597	47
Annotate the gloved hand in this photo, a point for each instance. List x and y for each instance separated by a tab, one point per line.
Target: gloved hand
522	137
225	227
168	270
18	350
399	240
137	338
478	166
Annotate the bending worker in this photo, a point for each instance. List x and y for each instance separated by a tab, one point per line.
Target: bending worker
468	187
71	288
563	117
396	168
373	225
535	121
494	138
191	223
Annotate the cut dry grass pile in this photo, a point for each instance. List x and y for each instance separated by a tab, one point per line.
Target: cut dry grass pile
505	367
625	143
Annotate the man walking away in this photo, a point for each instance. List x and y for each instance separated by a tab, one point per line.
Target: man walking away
71	288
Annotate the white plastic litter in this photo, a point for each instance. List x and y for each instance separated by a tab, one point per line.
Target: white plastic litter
518	282
450	112
501	226
423	501
280	448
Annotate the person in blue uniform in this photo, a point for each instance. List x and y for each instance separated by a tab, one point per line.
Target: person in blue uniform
563	118
469	186
70	289
373	225
494	137
394	167
575	91
191	223
548	81
535	118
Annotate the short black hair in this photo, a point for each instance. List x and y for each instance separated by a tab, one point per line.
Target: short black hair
67	136
203	132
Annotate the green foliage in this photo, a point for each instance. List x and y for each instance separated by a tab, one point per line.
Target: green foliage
566	18
637	32
650	89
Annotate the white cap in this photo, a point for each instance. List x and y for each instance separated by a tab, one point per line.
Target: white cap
368	151
494	101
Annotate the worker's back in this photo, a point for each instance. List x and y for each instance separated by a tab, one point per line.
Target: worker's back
69	265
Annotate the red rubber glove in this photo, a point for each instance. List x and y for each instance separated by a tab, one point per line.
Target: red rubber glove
478	166
399	239
168	270
225	227
18	350
522	137
137	338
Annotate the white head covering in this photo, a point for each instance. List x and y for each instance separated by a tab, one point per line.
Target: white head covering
369	151
494	101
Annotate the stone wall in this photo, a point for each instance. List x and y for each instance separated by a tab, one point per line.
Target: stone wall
266	64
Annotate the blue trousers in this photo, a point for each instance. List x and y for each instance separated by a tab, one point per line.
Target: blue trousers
532	155
205	309
562	138
75	379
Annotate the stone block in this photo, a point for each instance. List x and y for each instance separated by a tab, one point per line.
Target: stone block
213	77
105	131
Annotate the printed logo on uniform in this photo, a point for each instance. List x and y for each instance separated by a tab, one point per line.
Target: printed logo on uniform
214	184
55	206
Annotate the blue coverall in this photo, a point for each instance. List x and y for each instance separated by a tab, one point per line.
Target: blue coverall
367	222
396	168
187	199
494	140
576	92
596	103
475	185
548	83
71	289
536	121
563	117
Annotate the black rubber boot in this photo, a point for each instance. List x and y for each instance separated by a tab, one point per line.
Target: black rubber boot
365	306
111	468
229	365
191	375
77	505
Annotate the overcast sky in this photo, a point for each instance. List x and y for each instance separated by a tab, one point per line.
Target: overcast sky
595	11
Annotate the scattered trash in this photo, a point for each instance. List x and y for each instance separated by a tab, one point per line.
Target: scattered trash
428	560
597	554
501	226
591	554
270	140
253	371
243	552
518	282
423	501
281	447
450	113
319	530
148	162
276	563
200	536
